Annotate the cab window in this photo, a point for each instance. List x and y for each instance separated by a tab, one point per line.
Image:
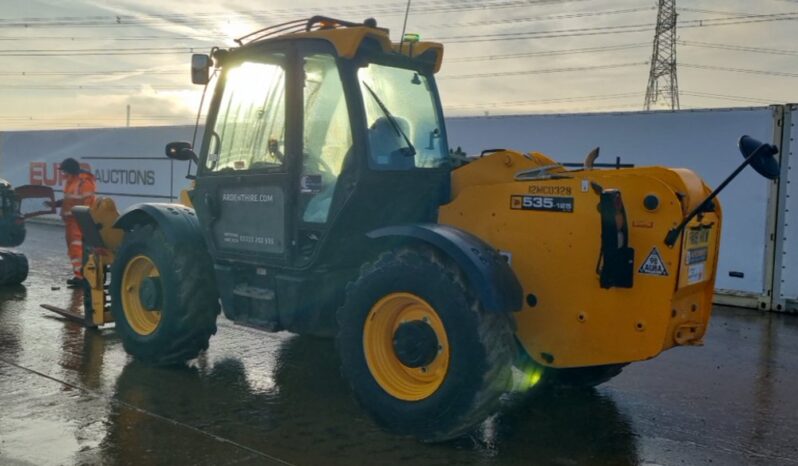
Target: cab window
249	131
327	136
404	131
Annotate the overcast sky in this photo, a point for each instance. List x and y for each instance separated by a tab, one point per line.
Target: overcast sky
72	63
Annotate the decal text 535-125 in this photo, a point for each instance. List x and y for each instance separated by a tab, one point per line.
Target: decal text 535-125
545	203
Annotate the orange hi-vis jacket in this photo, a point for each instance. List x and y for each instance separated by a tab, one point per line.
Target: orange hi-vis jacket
78	190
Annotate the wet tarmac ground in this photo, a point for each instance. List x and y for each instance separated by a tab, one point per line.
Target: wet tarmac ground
72	396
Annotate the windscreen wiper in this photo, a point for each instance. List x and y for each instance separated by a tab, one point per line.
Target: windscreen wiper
408	151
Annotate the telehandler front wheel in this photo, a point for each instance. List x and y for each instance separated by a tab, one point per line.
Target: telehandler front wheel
163	297
422	356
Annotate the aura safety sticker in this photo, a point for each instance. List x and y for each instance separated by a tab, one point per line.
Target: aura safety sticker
653	265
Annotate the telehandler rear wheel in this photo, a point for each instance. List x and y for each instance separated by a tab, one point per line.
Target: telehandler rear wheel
163	297
583	377
422	356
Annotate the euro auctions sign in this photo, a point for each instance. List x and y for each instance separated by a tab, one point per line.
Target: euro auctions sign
128	163
49	174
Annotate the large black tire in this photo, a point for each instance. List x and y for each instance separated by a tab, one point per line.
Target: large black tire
481	346
584	377
189	300
13	267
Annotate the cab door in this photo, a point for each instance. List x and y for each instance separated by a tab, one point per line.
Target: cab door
244	189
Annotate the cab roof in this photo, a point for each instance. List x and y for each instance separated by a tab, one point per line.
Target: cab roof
346	37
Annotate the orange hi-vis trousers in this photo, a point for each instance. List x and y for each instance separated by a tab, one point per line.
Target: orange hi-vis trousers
74	239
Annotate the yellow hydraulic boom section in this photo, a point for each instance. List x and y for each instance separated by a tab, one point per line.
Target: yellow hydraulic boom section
568	319
99	257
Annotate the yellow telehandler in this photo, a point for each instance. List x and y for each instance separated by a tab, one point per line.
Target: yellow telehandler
325	202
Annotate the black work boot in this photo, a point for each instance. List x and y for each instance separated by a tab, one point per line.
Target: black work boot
74	282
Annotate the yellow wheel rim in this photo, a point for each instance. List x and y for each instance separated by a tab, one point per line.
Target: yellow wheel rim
400	381
142	320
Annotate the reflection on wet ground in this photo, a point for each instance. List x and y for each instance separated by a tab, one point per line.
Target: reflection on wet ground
72	396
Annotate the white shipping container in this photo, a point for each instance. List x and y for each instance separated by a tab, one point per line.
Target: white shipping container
785	275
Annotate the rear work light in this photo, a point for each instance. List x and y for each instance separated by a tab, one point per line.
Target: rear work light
616	262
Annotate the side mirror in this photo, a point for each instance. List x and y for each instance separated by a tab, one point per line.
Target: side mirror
181	151
200	68
762	161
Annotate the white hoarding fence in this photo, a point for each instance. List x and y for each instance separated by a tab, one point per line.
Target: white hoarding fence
758	263
129	163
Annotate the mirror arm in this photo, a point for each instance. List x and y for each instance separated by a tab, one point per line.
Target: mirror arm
194	158
673	234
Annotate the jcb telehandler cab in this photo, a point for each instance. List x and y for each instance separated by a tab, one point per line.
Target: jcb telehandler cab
325	202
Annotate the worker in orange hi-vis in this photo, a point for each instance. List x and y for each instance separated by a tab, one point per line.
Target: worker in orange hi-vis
79	189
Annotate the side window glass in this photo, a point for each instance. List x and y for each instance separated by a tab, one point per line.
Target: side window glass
401	108
327	137
249	132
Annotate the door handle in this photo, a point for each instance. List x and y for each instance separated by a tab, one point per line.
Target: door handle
211	205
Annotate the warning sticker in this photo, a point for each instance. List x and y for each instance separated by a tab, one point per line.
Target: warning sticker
653	265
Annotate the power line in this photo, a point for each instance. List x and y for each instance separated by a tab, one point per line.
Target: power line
734	20
513	103
481	23
583	14
209	38
89	87
735	98
195	19
738	48
542	53
617	29
547	53
98	52
94	87
741	70
571	110
574	32
541	71
721	12
110	118
91	73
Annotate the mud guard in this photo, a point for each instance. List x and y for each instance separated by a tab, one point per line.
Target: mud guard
178	222
487	271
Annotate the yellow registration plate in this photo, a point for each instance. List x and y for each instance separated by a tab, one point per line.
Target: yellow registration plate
696	253
699	236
